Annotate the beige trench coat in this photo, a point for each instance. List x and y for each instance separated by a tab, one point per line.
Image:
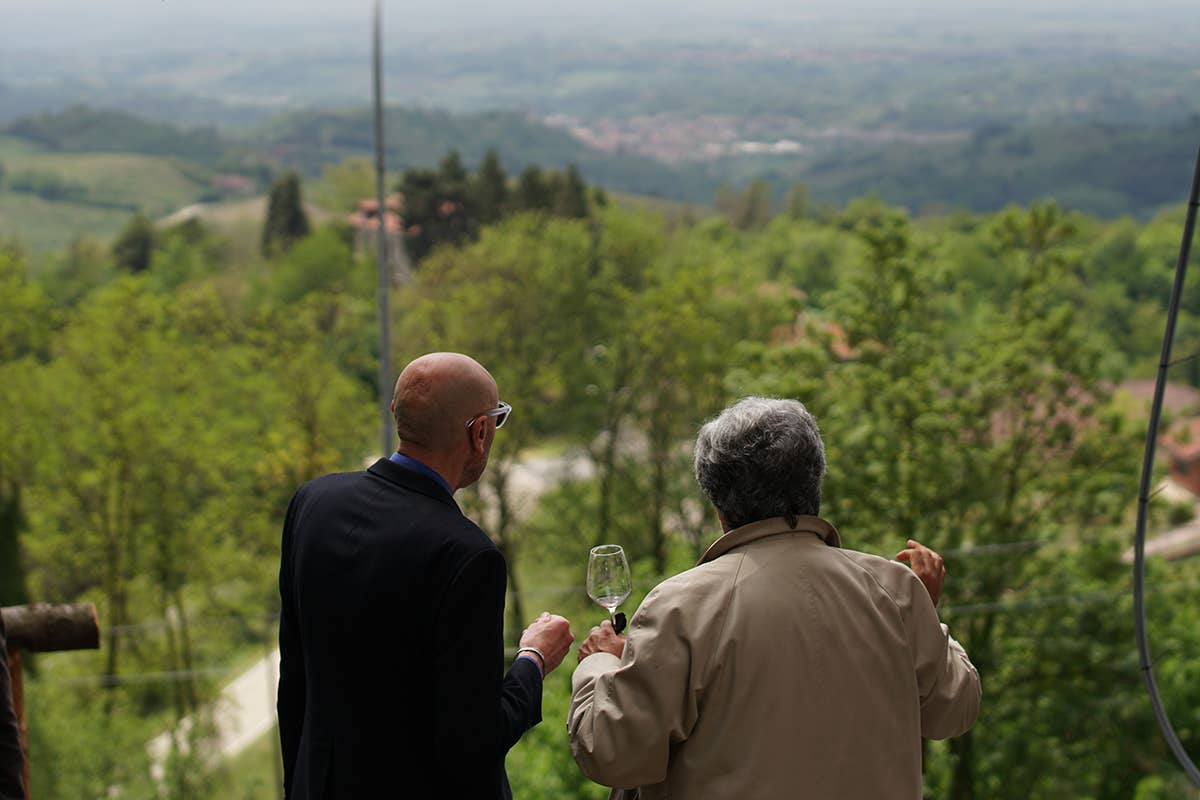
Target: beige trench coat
780	667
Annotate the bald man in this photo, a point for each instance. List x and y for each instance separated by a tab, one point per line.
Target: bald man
391	679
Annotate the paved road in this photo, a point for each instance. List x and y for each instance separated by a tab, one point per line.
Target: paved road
243	714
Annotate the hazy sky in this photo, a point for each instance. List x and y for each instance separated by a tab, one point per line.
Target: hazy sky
52	24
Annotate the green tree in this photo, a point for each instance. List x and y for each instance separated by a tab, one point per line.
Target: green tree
533	191
286	222
24	335
453	173
797	202
438	207
509	300
135	245
726	200
323	262
422	196
185	252
998	434
342	185
491	189
571	201
70	276
749	209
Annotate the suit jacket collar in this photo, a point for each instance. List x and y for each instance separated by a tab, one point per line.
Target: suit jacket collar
405	478
771	527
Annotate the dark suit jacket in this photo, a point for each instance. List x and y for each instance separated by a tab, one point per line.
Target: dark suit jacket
12	760
391	681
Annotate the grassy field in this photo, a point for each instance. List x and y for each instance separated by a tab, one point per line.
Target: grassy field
14	147
116	185
41	225
155	185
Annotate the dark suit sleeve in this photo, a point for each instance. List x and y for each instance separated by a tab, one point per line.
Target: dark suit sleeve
290	703
12	761
479	715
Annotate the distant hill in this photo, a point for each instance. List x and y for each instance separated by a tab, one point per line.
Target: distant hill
80	129
83	169
1107	170
48	198
307	141
1104	169
418	137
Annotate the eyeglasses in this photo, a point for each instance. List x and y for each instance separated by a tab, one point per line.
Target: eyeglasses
500	412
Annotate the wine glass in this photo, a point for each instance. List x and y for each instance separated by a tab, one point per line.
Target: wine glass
608	580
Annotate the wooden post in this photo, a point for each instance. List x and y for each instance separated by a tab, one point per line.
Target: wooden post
40	628
18	692
43	627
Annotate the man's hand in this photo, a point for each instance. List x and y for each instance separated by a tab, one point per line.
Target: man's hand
602	639
551	635
927	565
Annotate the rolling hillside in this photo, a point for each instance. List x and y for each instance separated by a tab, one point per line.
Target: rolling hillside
48	198
72	172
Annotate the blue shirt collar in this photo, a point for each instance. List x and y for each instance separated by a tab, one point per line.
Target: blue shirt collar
408	462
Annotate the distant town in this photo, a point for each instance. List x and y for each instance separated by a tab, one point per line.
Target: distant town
675	138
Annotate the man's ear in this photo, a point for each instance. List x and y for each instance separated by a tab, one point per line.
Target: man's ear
478	435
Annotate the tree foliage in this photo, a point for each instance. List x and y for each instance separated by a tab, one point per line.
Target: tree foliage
286	221
132	249
964	369
448	205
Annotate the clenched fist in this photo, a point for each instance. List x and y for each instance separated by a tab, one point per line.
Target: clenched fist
927	565
551	635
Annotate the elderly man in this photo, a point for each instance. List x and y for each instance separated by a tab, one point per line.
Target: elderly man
782	666
391	629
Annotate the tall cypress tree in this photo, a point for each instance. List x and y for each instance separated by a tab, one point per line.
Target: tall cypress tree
491	189
134	247
286	222
533	191
422	193
797	202
452	172
571	201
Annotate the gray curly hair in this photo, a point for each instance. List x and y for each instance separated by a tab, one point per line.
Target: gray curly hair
760	458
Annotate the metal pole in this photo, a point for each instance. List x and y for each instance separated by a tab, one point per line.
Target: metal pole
387	441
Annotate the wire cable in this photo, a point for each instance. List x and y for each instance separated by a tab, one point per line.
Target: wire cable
1139	537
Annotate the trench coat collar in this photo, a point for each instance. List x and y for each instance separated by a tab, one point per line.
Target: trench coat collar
771	527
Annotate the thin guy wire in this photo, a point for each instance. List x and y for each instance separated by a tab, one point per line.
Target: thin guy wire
1139	538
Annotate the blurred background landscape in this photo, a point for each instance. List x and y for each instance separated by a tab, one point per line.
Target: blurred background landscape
950	229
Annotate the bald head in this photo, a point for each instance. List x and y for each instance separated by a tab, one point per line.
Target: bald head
435	397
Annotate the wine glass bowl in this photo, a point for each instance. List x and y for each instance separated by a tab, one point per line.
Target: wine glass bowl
608	578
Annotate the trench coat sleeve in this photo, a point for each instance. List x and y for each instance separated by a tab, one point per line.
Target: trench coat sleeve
626	713
947	681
